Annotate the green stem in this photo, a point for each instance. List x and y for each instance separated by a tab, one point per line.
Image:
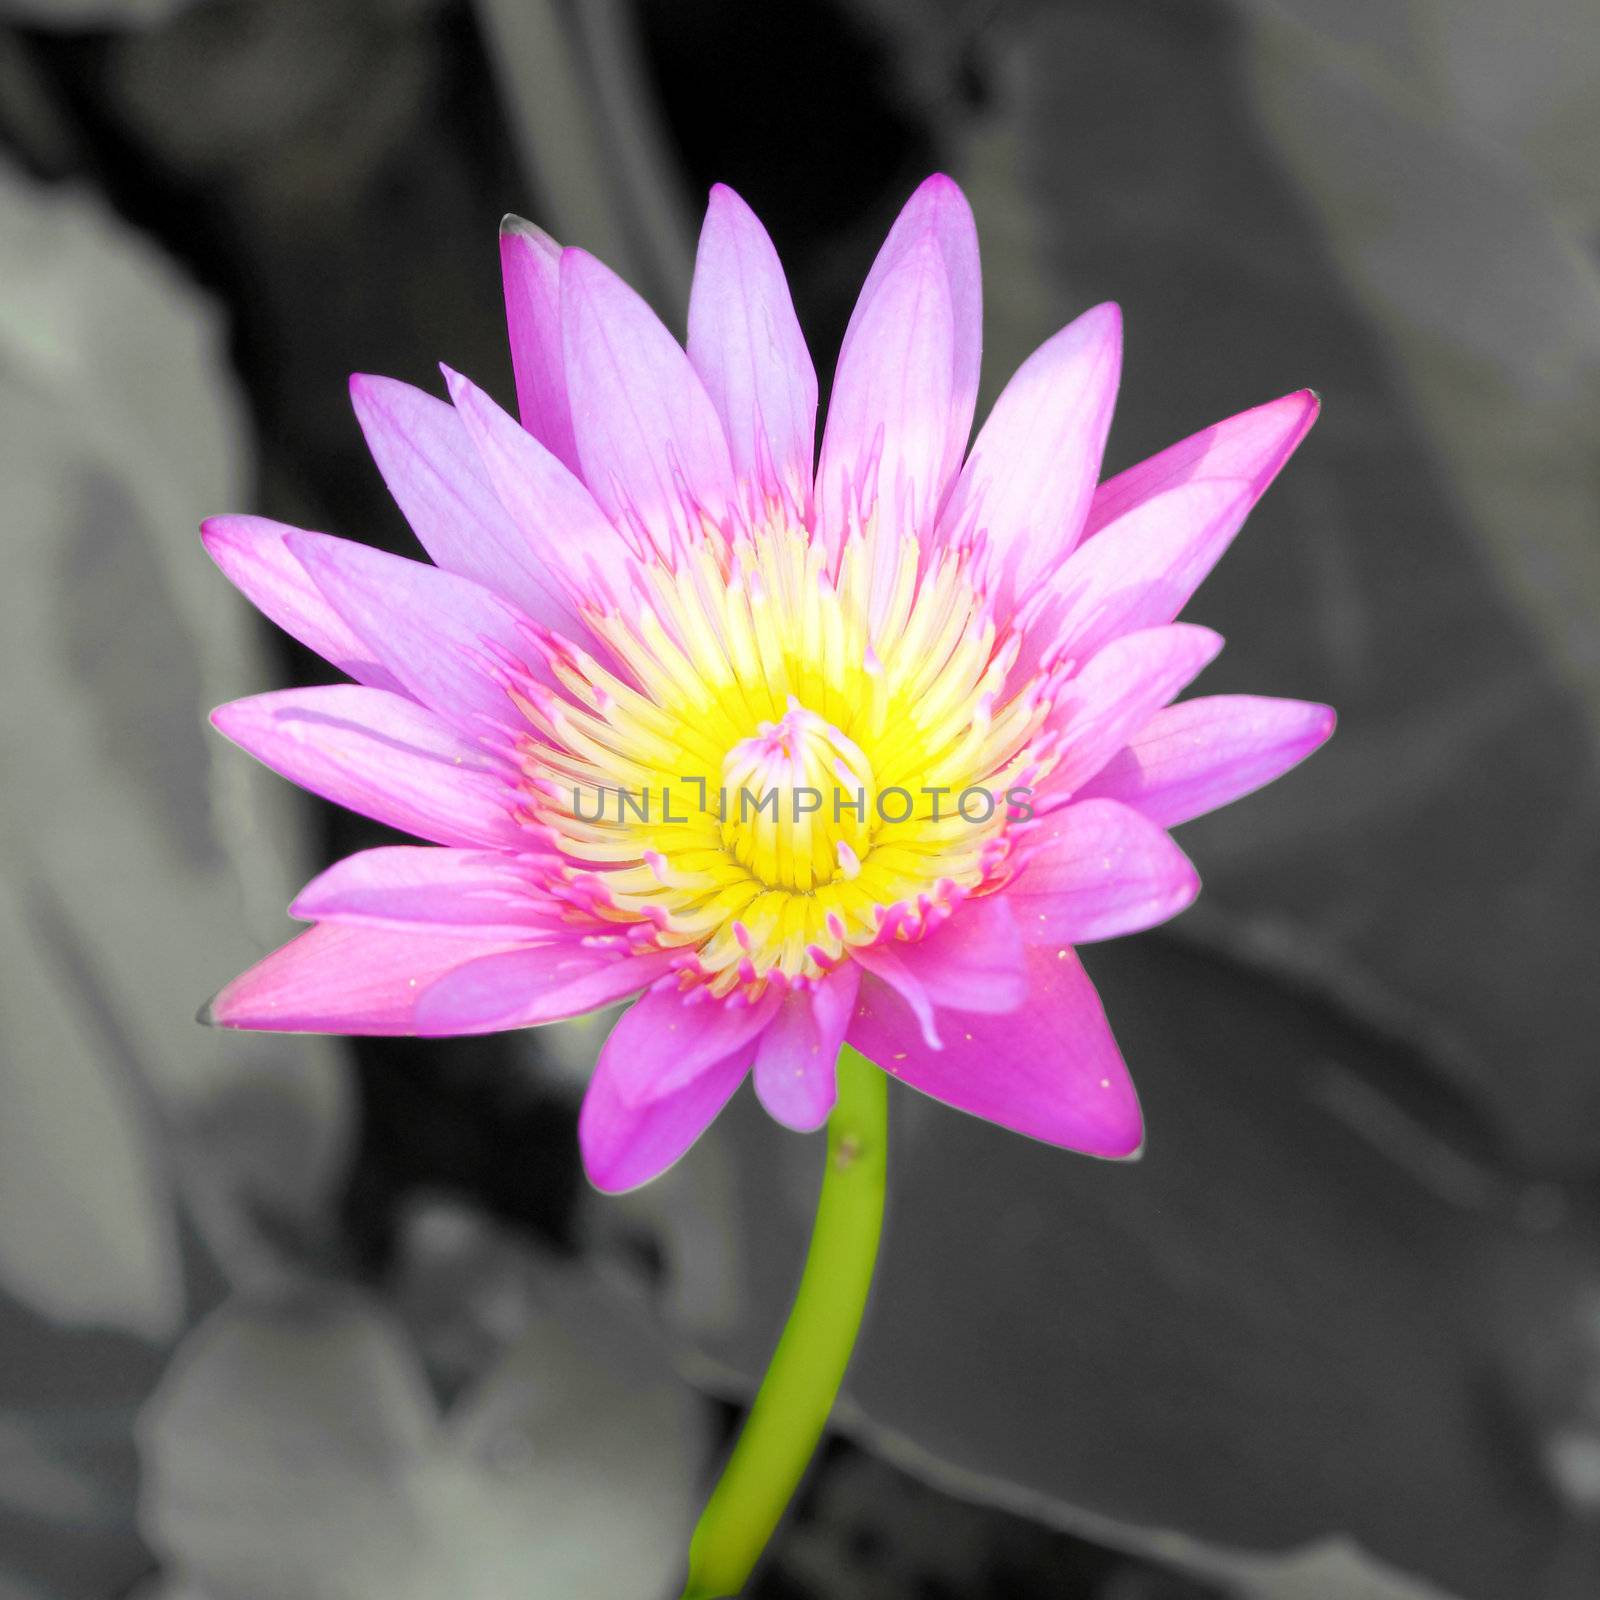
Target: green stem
791	1408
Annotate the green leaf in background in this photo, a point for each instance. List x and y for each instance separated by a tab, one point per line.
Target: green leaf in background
296	1453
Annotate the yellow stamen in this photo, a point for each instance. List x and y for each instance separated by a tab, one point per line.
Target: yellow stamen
783	750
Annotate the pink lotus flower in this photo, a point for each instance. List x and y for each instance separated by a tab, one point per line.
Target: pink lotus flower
644	590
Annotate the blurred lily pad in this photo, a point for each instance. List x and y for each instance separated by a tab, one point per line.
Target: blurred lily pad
296	1452
129	878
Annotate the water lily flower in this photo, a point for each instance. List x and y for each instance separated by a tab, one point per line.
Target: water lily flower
656	627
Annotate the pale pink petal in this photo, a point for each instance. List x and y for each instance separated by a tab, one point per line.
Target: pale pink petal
252	553
429	465
625	1145
671	1036
382	756
444	637
795	1057
563	529
336	979
1028	482
1049	1069
475	893
973	963
1253	445
436	477
1095	870
530	266
1192	758
907	379
746	344
538	984
1139	573
1119	690
649	440
938	209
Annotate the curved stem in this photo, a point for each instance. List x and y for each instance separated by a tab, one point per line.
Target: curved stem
791	1408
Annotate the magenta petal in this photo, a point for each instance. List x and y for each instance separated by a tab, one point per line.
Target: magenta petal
538	984
530	266
1191	758
253	554
907	379
382	756
1119	690
337	979
1253	445
1140	572
671	1036
746	344
561	527
1049	1069
796	1056
1095	870
625	1145
436	477
1028	482
649	439
435	632
476	893
973	963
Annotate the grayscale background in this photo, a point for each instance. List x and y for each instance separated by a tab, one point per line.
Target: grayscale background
303	1319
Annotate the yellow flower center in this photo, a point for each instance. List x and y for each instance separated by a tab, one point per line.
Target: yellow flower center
782	752
797	802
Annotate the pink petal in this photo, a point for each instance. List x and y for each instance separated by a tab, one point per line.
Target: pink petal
1096	870
907	379
382	756
1113	697
1253	445
649	439
1049	1069
1140	572
670	1037
530	265
1027	485
337	979
939	208
476	893
252	553
973	963
434	473
795	1057
746	344
435	632
626	1145
561	527
538	984
1192	758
